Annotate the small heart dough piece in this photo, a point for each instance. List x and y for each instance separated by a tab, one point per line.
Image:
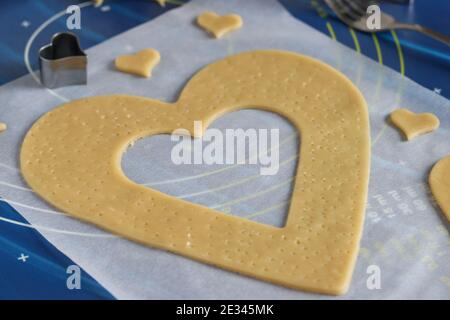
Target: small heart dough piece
140	63
219	25
439	181
2	126
414	124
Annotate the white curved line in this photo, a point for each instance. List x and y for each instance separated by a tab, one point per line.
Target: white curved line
9	167
254	195
73	233
264	211
31	207
15	186
232	184
34	35
201	175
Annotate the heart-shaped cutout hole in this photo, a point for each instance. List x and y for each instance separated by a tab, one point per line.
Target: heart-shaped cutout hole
238	189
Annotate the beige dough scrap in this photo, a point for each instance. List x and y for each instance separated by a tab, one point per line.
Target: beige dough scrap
72	158
140	63
219	25
98	3
162	3
3	127
414	124
439	181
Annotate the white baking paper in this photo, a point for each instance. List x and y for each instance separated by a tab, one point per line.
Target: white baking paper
406	239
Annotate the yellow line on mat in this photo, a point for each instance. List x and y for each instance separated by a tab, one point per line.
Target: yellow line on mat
379	135
378	48
261	212
253	195
331	31
355	40
399	51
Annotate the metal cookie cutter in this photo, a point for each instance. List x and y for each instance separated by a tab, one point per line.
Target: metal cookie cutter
63	62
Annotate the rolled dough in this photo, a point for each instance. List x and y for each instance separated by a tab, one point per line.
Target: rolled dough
72	158
439	181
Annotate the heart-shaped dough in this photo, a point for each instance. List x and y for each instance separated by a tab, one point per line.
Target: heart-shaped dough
140	63
439	181
219	25
2	126
413	124
71	157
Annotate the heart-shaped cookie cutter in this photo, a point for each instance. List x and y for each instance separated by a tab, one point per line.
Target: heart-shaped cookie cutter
63	62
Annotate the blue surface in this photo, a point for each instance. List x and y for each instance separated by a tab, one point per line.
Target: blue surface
425	60
43	274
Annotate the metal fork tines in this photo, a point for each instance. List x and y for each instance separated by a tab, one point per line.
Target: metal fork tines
352	10
354	13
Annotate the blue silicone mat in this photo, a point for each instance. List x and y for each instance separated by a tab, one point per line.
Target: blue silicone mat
30	267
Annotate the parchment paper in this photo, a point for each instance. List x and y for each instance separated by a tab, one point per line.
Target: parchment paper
405	234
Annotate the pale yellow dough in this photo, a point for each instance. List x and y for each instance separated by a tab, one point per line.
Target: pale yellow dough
414	124
439	181
140	63
219	25
2	126
72	158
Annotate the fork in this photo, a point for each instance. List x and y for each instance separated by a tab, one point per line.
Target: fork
354	14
